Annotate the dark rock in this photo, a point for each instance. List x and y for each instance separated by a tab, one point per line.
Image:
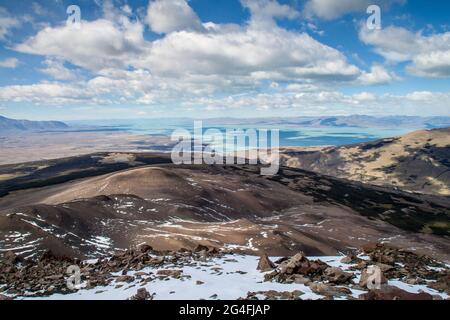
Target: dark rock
141	295
125	278
265	264
201	248
169	273
393	293
144	248
351	259
442	284
328	290
213	251
275	295
337	275
298	265
281	260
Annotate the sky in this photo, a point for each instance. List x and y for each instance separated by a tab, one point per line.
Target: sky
223	58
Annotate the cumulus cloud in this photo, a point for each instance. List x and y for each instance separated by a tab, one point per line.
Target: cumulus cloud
96	45
264	12
429	56
332	9
238	53
9	63
435	64
165	16
377	75
247	51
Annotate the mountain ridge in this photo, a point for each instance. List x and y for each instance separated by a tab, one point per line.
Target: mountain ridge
7	124
416	162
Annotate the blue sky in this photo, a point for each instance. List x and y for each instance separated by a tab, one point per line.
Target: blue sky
239	58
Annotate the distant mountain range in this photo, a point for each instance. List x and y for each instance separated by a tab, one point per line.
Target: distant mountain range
361	121
12	124
343	121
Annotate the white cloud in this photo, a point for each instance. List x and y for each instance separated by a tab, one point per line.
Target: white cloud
9	63
226	54
332	9
96	45
247	51
139	87
38	9
429	56
214	67
332	103
7	23
165	16
263	12
56	69
364	96
434	64
377	75
44	93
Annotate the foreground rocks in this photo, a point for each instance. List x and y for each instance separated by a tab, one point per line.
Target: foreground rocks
394	293
390	263
142	294
137	267
299	267
409	267
49	274
274	295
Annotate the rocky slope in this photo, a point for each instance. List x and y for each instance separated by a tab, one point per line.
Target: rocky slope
417	162
172	207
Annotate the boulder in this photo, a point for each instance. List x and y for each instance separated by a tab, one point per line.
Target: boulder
125	278
141	295
393	293
281	260
346	260
385	267
145	248
329	291
337	275
298	265
265	264
299	279
201	248
442	284
11	258
169	273
365	277
350	259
